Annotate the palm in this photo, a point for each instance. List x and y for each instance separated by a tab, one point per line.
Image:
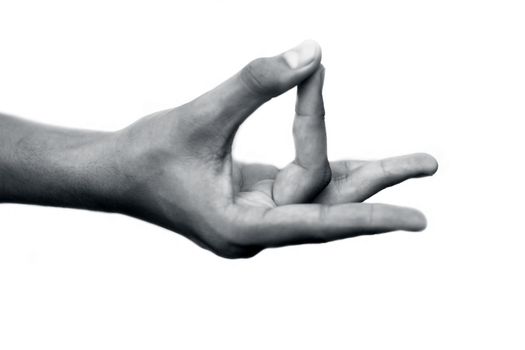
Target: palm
352	181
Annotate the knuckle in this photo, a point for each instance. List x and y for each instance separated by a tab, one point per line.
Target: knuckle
385	169
326	176
258	78
371	217
323	173
321	113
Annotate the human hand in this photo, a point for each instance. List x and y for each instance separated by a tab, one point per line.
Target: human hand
180	174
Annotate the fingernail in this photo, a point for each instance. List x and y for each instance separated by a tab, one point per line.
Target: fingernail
303	54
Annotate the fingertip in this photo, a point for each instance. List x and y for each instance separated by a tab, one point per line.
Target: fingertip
418	221
428	163
434	165
306	53
398	217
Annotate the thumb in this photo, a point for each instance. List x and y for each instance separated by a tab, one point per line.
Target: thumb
224	108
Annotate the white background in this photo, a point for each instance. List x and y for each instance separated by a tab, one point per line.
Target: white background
443	77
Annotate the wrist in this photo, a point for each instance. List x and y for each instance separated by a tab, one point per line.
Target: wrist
96	171
45	165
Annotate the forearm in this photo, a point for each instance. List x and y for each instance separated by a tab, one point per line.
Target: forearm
46	165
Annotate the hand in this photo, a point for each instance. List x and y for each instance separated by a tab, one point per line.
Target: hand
179	171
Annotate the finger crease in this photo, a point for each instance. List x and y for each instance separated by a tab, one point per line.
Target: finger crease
371	215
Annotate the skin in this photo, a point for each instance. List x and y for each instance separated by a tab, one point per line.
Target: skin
174	168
